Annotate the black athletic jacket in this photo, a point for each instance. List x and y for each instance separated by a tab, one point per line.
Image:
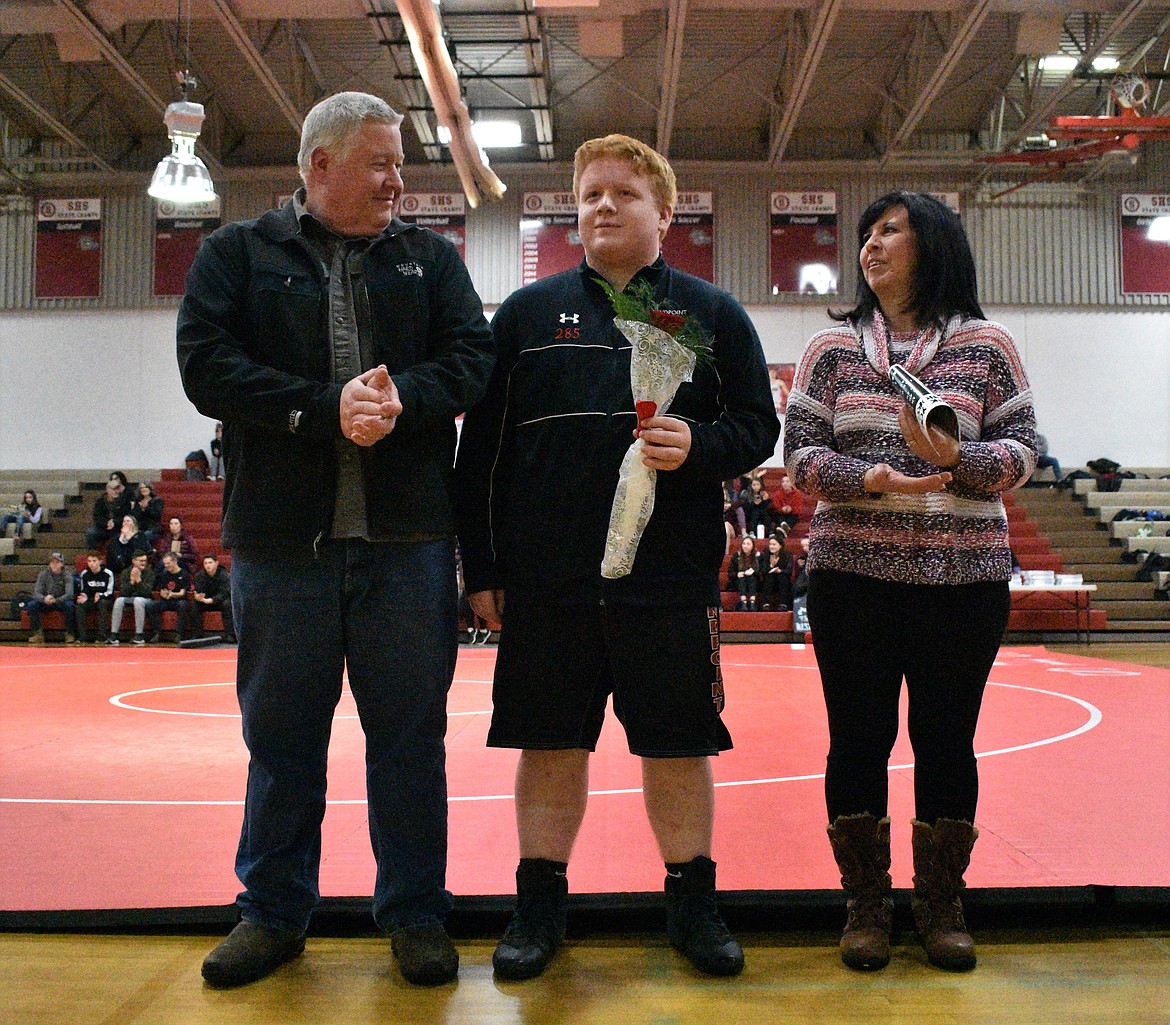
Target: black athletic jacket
539	456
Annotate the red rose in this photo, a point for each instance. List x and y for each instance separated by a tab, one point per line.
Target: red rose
646	409
668	321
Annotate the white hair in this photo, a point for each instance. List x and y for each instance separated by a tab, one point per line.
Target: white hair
334	121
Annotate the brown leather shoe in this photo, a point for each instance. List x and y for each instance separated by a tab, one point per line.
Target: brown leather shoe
426	956
250	952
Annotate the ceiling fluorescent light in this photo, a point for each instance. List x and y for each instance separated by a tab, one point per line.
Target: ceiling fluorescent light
1058	62
182	177
497	134
1159	229
443	134
1106	64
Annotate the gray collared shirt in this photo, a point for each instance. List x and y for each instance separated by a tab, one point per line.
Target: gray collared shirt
341	260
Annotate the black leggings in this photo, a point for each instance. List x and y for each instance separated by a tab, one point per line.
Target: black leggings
868	634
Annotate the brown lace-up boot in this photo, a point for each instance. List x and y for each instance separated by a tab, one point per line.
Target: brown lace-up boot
942	853
861	845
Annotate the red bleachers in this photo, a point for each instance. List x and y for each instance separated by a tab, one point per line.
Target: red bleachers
199	504
1032	612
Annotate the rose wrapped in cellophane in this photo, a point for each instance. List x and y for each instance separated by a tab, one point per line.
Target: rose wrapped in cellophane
659	363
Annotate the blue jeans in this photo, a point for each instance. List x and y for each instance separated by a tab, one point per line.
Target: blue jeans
36	609
387	613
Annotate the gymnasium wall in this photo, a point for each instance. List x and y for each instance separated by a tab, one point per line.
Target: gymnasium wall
94	382
100	387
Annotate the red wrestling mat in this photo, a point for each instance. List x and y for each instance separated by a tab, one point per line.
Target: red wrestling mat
122	773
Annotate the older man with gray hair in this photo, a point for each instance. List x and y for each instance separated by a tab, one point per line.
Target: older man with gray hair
338	345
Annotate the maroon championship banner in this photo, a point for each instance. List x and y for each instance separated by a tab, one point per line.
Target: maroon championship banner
549	242
804	243
69	249
179	230
690	240
1145	243
442	212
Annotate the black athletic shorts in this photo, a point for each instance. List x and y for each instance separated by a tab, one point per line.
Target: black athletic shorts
557	665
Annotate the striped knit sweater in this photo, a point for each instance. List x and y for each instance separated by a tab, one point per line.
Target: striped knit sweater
842	418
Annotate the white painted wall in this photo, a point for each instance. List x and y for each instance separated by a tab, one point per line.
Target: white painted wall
100	388
94	388
1101	378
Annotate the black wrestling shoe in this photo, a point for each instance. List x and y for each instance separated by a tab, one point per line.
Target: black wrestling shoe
537	926
250	952
426	956
693	922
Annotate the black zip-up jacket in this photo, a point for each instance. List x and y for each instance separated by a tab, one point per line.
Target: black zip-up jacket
539	457
253	349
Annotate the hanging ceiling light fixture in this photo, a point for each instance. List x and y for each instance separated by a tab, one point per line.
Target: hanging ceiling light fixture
182	177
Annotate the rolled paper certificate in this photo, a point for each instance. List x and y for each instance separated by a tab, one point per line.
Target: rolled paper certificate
929	409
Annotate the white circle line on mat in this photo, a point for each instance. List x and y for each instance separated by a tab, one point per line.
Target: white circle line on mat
1095	717
118	701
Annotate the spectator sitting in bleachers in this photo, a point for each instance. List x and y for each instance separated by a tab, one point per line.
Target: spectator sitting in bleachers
95	591
137	588
734	521
758	510
108	511
800	572
177	539
215	471
211	591
789	504
53	591
148	510
743	574
172	583
1043	459
28	511
745	480
776	576
129	542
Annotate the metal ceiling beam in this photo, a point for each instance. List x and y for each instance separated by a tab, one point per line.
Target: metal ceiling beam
55	126
536	54
676	20
818	38
234	28
297	37
127	71
414	94
938	80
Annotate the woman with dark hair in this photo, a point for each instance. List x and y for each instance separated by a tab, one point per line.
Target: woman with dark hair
908	561
776	576
759	512
176	539
743	574
148	510
29	511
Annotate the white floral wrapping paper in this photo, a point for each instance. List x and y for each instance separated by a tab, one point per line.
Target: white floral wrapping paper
658	365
